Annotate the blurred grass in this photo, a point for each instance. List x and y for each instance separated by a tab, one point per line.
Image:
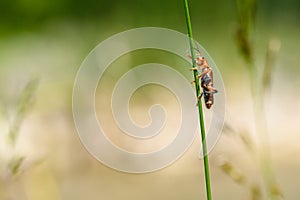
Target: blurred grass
23	104
49	39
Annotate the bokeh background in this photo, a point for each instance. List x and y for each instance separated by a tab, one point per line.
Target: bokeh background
43	43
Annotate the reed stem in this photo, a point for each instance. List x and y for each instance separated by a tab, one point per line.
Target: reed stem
200	109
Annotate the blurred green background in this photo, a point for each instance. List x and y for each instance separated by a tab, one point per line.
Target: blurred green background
48	40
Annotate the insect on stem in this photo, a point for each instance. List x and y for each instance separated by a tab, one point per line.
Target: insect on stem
200	110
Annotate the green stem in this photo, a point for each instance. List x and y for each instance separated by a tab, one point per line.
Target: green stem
201	117
262	132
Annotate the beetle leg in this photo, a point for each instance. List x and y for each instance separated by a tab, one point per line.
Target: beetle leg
193	69
199	98
211	89
214	91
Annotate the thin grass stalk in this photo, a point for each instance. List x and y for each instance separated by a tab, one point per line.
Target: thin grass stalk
200	109
259	93
259	87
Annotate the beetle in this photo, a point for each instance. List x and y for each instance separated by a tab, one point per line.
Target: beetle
206	77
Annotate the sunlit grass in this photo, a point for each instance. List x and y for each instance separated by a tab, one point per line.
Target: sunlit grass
260	83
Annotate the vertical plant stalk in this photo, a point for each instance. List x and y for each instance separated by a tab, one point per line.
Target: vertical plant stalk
259	87
260	92
23	105
200	109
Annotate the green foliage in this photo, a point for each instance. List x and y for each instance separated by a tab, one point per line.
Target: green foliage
15	164
271	55
260	85
246	14
233	172
23	105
